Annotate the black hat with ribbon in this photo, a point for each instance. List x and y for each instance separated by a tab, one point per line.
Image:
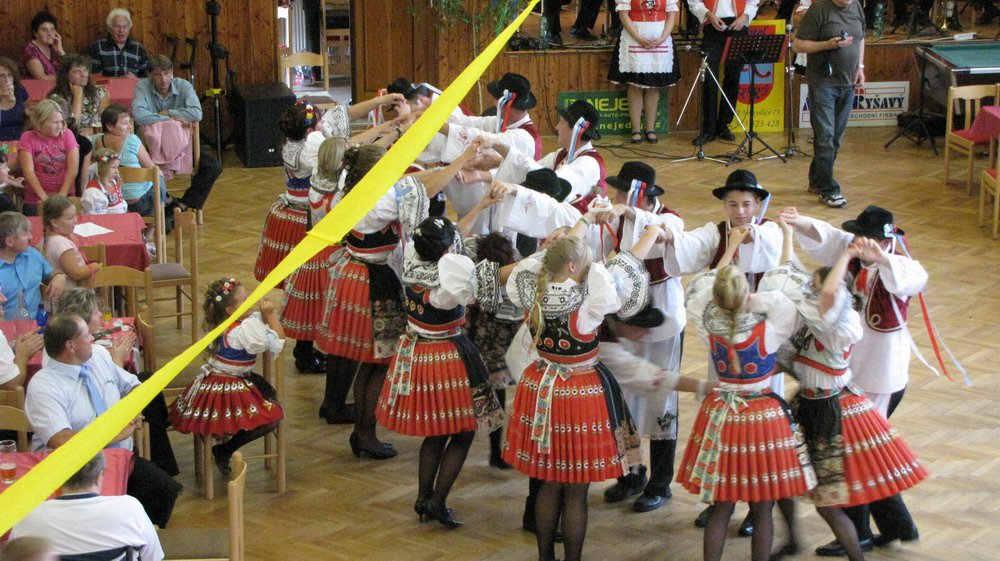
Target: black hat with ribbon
517	85
546	181
741	180
403	86
873	222
580	108
636	171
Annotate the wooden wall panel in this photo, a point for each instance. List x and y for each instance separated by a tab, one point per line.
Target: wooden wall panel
246	27
387	42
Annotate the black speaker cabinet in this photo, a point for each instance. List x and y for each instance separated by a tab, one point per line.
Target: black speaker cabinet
257	108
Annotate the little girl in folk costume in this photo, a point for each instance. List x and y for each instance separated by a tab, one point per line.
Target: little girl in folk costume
227	397
287	222
103	194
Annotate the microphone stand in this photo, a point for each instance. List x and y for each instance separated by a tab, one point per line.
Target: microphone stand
702	70
791	148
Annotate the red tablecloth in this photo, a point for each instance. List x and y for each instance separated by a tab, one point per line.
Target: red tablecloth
987	123
125	244
122	90
11	329
119	466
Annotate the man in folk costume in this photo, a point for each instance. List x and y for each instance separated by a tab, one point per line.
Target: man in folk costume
720	20
576	161
690	252
885	281
636	197
511	126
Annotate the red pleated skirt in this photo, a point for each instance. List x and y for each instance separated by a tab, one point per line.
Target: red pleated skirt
877	461
348	326
224	404
305	289
758	460
582	448
284	228
440	399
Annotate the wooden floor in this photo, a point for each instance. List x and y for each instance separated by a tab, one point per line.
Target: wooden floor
337	507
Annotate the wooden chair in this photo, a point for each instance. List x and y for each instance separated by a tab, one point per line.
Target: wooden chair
288	63
95	253
148	335
274	442
990	185
13	398
969	99
12	418
217	544
130	279
181	276
157	221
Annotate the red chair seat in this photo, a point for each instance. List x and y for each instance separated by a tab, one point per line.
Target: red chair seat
967	134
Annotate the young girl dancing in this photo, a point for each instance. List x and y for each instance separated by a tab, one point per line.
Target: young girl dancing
743	446
439	386
227	397
569	426
60	246
103	194
286	225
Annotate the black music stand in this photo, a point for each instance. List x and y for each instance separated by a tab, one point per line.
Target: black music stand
754	50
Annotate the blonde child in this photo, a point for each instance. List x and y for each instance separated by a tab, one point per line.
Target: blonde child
103	194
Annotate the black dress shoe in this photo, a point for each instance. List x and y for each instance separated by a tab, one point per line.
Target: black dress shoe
835	549
582	34
746	528
556	39
786	550
882	540
649	501
703	139
626	486
702	520
347	415
310	364
725	134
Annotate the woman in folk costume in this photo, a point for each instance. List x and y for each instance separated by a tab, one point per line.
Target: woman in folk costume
227	397
857	455
438	386
743	446
363	315
645	59
287	222
569	426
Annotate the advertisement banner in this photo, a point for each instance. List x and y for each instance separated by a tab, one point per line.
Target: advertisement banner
613	107
876	104
769	111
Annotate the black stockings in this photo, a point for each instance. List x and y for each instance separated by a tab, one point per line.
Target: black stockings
844	530
244	437
718	525
441	460
340	372
367	387
496	437
570	501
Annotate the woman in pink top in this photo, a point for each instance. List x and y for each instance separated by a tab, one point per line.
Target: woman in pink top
42	54
49	156
59	245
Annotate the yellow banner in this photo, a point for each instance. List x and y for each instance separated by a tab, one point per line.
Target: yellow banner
35	486
769	110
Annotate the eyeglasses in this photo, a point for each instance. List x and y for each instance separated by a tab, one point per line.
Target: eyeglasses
121	27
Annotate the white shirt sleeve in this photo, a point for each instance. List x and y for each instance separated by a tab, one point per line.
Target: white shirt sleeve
528	266
8	370
535	214
459	138
515	167
691	251
310	151
583	173
781	317
831	244
254	336
699	294
636	374
458	282
602	298
903	276
764	252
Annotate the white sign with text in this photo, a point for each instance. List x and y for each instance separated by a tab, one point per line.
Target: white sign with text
876	104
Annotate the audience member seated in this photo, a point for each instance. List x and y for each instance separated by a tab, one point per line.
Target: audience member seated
84	303
117	54
103	194
41	55
86	99
161	97
28	548
13	96
78	383
6	181
81	520
14	361
23	270
118	136
59	243
49	156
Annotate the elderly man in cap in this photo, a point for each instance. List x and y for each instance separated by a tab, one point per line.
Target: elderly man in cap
885	279
689	252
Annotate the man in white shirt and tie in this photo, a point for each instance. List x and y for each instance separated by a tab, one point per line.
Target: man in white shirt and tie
78	383
720	20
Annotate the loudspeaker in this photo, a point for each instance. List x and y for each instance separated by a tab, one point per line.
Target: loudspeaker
257	108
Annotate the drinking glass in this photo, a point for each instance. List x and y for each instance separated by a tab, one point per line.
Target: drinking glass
8	461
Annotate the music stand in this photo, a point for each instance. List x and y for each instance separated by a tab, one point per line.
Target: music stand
754	50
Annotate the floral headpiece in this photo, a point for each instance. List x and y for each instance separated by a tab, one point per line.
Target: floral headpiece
228	286
5	149
112	157
310	112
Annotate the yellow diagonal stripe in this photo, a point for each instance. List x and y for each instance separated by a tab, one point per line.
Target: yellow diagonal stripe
47	476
